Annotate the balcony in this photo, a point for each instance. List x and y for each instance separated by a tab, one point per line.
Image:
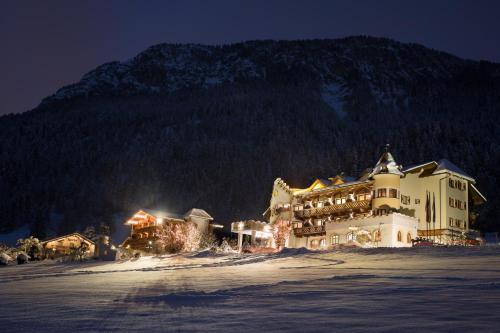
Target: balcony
327	210
309	231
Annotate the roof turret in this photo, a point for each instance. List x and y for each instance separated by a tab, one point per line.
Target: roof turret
386	165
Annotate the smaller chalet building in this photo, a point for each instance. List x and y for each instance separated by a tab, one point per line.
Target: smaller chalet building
62	245
146	226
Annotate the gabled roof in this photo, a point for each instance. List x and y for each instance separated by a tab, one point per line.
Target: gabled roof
434	168
197	212
316	185
444	164
68	235
162	214
419	166
339	186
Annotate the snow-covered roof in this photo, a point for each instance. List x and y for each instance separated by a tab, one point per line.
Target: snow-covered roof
444	164
339	186
434	168
77	234
474	190
162	214
386	165
198	213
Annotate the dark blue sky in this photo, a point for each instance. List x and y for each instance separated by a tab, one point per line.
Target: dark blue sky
50	43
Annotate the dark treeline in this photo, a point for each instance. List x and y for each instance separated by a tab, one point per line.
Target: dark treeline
93	158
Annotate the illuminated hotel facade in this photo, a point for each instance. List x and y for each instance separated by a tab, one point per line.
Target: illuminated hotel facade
388	206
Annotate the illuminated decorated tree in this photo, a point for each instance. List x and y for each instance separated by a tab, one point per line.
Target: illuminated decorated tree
281	232
177	237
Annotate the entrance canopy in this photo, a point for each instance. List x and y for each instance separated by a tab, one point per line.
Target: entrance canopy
250	227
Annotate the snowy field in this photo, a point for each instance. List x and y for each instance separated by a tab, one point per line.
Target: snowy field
377	290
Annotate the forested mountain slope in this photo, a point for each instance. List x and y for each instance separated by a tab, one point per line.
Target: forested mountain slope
181	126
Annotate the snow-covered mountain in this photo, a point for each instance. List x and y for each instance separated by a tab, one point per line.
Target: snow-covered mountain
179	126
385	68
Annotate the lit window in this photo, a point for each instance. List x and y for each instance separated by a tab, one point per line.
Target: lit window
351	237
335	239
381	193
322	243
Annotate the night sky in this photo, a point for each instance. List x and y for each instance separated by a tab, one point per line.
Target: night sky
48	44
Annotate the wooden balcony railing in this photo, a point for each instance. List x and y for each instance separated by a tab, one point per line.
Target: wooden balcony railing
333	209
308	231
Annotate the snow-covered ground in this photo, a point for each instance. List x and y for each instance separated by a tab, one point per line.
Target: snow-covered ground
424	289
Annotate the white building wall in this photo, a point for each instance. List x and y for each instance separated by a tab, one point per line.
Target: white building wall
388	225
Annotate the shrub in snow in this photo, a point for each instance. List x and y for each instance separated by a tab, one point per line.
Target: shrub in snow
79	253
31	246
22	258
225	247
5	259
207	241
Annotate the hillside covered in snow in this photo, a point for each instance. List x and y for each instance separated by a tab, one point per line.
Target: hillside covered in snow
181	126
374	290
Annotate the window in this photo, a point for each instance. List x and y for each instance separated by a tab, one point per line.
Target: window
338	201
408	238
451	183
314	243
361	197
405	199
417	201
377	237
451	222
351	237
400	236
298	207
322	243
393	193
451	202
381	193
335	239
